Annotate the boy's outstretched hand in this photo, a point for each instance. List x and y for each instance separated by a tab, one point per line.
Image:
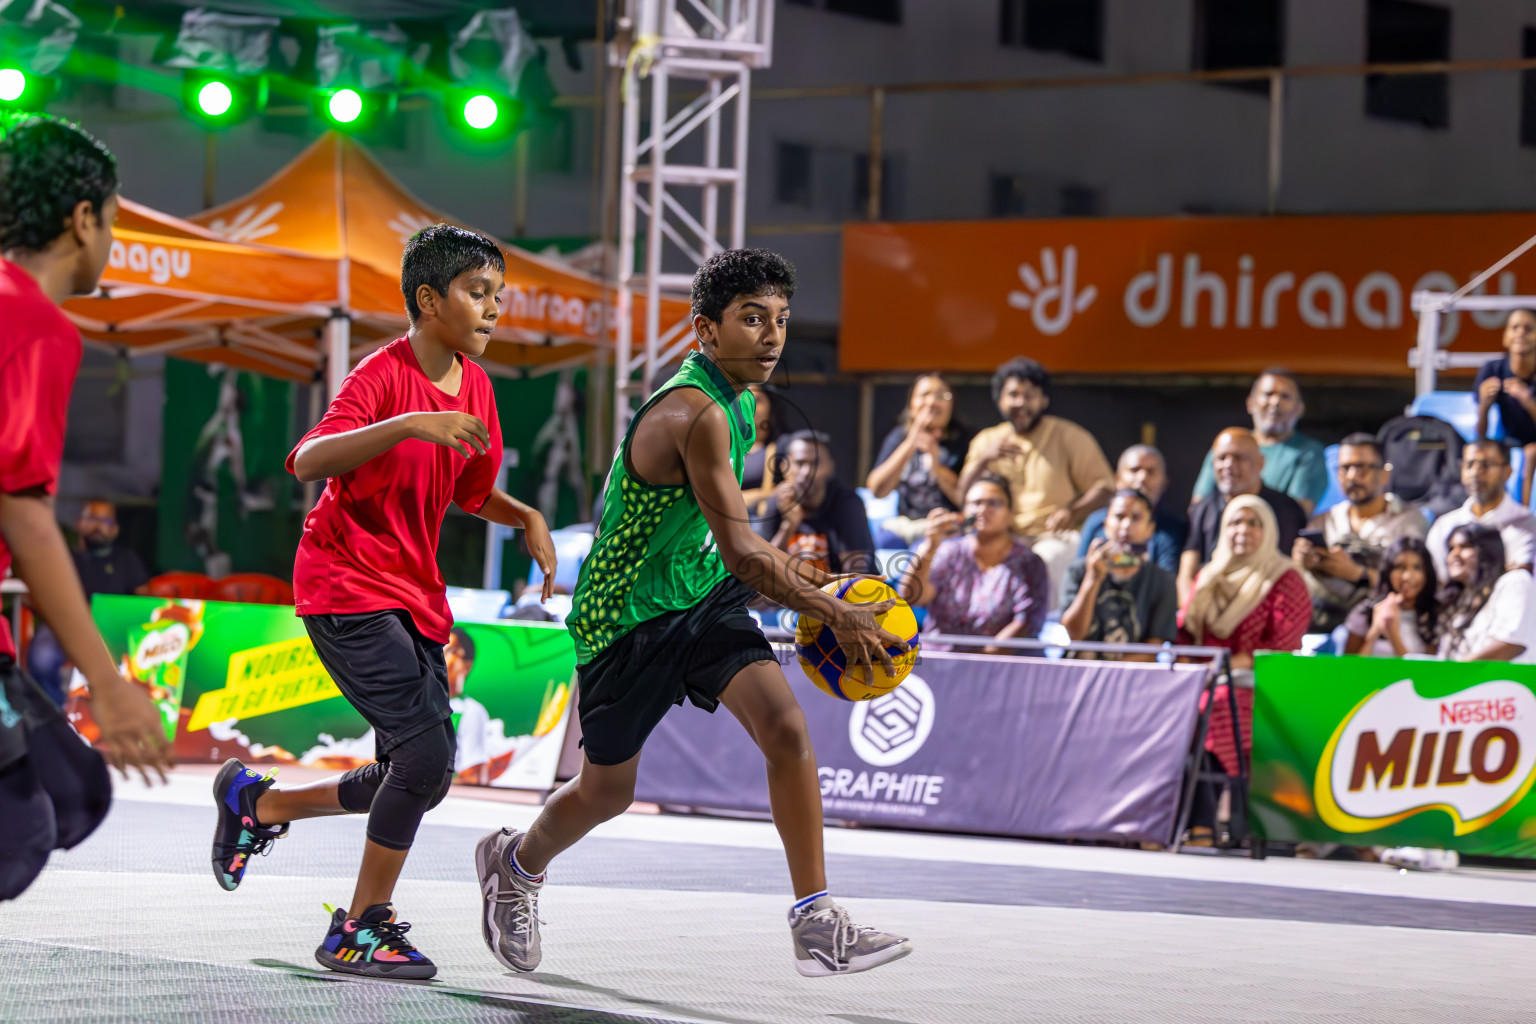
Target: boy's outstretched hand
542	547
132	734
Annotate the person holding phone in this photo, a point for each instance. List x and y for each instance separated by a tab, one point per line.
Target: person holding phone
973	575
1118	594
1340	553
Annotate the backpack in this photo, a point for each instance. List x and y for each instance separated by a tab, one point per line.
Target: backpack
1425	455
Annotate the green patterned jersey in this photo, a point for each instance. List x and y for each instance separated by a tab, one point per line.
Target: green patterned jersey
654	551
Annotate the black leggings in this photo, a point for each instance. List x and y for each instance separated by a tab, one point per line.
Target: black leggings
396	791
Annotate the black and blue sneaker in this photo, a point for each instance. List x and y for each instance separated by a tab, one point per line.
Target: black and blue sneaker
372	944
238	836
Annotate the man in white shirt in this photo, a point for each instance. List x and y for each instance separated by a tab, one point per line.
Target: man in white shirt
1485	472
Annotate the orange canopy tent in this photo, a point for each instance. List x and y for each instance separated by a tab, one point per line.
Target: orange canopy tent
316	250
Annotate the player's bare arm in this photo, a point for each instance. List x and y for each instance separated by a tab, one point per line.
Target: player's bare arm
335	454
699	454
504	510
132	733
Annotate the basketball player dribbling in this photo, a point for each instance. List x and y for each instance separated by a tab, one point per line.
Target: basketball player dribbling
660	614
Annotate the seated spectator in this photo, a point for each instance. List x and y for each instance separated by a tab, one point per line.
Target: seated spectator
757	471
1510	384
815	516
1404	616
920	460
1239	465
1056	470
1485	471
1248	599
1294	463
105	567
1119	594
1346	568
1142	468
985	582
1487	613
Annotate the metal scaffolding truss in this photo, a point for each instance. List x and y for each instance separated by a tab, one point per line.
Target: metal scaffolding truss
683	174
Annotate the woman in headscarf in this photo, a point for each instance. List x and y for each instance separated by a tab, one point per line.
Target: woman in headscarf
1248	598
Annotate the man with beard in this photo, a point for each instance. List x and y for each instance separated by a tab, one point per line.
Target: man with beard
1485	472
1056	469
104	568
1294	463
1239	465
1345	569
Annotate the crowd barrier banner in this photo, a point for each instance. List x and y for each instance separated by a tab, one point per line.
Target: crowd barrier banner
1321	295
243	680
1007	746
1381	752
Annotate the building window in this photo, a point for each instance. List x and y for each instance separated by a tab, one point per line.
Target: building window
890	186
98	411
888	11
1239	34
1405	32
792	174
1528	90
1078	201
1006	196
1073	27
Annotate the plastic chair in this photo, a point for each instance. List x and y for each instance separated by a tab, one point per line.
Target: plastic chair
192	586
1459	409
251	588
877	510
1516	473
1334	494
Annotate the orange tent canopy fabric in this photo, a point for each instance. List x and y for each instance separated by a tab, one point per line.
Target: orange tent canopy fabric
252	282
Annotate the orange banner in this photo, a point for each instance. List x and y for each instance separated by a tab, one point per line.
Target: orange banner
1320	295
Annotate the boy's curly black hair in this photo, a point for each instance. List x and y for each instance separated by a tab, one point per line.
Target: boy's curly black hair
727	276
437	254
48	166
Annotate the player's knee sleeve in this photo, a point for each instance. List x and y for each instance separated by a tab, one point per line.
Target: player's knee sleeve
395	816
357	788
420	764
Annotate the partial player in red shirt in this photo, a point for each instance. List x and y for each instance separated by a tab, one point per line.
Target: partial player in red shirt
413	428
58	199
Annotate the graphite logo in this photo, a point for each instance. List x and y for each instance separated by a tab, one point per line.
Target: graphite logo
1051	296
891	728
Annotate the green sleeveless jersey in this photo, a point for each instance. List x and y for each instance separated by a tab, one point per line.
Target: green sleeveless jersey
654	552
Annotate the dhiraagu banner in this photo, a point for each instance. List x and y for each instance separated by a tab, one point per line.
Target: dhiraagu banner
243	680
1382	752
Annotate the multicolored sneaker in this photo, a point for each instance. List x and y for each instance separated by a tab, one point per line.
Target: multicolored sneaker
237	836
509	918
828	942
373	945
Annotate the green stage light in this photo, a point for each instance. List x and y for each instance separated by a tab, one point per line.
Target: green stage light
215	98
12	84
345	106
481	112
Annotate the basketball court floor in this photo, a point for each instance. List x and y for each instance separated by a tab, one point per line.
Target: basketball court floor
672	919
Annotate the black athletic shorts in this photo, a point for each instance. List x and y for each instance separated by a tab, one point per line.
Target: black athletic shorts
627	689
395	677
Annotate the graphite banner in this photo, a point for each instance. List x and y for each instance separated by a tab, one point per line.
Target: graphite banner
243	680
1381	752
1007	746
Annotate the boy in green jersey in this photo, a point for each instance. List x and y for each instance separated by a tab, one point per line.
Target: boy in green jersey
660	615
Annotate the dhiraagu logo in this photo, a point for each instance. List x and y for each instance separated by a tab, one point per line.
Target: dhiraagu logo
1471	755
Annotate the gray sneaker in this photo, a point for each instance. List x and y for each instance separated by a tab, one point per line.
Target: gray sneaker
510	923
828	942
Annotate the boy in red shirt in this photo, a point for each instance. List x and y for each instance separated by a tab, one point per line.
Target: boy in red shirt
413	428
58	199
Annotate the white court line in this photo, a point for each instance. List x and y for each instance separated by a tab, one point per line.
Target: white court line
1515	888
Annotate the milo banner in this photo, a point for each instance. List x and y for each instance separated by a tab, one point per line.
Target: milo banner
243	680
1380	752
1008	746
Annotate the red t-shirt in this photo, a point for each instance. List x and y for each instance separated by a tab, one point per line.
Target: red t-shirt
370	544
39	356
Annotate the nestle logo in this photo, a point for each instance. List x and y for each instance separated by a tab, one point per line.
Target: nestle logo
1471	712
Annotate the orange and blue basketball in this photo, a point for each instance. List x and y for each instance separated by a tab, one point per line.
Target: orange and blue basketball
826	665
